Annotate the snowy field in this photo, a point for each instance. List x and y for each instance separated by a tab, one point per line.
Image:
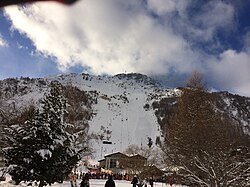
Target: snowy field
93	183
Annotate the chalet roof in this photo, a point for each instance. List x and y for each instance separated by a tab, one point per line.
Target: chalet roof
101	160
137	156
115	154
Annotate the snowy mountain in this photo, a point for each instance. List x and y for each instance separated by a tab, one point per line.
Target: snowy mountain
127	108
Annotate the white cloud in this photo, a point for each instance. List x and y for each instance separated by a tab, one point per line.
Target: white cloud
3	43
115	36
202	25
215	15
162	7
231	71
107	37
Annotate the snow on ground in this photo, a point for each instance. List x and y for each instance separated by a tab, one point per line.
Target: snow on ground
129	123
93	183
119	108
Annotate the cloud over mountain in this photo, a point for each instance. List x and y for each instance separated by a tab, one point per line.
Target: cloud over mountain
151	37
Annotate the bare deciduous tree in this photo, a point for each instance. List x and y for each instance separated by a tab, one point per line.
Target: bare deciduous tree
143	168
199	141
196	81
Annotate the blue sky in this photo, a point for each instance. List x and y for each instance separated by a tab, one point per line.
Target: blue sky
154	37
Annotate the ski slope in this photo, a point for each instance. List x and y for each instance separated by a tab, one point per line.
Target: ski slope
119	106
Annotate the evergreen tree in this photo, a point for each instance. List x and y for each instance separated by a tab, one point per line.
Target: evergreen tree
150	142
42	149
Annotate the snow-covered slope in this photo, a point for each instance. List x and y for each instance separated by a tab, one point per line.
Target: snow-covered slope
122	111
119	113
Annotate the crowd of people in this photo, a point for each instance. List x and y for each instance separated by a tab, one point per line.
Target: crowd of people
145	183
110	180
85	180
101	175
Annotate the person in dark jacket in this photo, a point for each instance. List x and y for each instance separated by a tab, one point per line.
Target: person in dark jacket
110	182
85	181
151	182
134	181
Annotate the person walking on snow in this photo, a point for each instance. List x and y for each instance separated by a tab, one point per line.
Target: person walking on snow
145	182
110	182
151	182
85	181
134	181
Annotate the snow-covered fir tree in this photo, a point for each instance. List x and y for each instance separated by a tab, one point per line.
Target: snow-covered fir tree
42	149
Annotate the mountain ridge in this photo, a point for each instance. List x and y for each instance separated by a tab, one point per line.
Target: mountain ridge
124	111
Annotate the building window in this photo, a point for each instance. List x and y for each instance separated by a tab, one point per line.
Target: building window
112	163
